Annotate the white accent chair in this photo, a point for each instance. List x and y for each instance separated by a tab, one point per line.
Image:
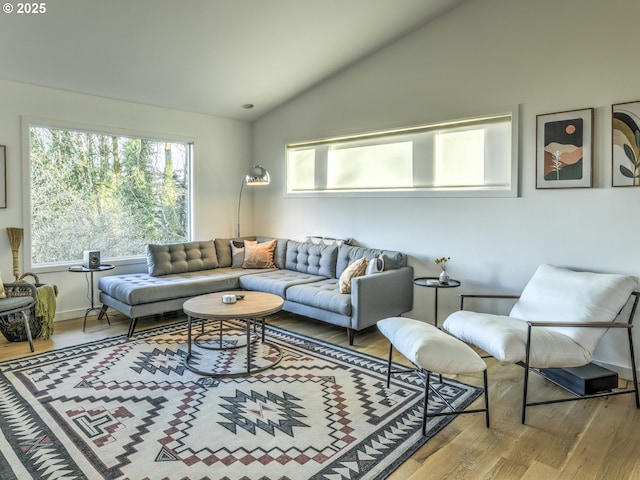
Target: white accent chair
556	322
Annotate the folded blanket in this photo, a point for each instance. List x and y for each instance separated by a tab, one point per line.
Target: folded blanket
46	308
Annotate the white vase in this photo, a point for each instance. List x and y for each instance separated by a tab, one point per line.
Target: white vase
444	277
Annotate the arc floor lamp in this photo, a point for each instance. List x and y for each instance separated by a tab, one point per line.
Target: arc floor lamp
255	176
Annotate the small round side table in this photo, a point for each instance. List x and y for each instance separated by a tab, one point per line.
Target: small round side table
83	269
434	282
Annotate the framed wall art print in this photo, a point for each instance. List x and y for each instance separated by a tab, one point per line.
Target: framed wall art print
564	149
625	144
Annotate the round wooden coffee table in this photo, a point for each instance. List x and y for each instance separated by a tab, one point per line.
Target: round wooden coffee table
232	332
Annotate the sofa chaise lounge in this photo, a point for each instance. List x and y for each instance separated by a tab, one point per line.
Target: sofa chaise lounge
306	275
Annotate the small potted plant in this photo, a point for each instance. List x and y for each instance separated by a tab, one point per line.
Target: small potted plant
442	263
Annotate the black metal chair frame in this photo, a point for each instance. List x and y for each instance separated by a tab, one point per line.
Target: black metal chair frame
20	290
426	374
628	325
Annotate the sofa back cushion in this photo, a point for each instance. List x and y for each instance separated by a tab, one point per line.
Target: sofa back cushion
181	257
347	254
280	254
555	294
310	258
223	250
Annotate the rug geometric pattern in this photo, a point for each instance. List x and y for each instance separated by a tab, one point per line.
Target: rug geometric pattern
128	409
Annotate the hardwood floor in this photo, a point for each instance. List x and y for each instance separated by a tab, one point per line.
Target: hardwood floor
591	439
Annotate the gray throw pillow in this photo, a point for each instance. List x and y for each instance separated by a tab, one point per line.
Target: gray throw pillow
237	253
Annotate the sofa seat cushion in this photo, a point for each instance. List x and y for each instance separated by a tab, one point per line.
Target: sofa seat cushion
505	339
137	289
324	294
276	281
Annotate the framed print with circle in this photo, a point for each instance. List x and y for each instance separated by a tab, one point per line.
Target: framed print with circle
625	144
564	149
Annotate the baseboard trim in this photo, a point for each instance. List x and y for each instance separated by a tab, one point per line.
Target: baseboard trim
623	371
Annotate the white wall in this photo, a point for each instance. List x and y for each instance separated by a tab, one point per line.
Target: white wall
548	56
222	151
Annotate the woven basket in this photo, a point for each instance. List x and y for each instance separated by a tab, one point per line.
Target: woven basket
13	330
21	278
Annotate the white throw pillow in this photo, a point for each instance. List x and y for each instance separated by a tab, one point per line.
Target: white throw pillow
376	265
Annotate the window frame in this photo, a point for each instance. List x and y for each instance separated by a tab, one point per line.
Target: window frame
29	122
512	190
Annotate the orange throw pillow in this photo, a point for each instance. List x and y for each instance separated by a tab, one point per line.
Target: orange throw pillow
259	255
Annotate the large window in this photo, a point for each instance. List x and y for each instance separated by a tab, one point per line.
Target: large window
98	191
470	157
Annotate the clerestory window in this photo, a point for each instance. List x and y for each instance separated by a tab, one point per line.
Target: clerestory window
470	157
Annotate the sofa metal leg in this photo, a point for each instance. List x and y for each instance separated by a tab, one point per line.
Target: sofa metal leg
350	335
132	326
103	312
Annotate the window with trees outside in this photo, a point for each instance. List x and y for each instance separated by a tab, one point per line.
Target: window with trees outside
470	157
98	191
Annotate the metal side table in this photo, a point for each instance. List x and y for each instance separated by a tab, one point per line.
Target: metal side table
434	282
91	271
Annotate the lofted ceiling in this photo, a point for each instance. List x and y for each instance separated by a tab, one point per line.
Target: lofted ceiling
207	56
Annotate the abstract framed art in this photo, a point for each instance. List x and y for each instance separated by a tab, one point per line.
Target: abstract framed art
564	149
3	176
625	144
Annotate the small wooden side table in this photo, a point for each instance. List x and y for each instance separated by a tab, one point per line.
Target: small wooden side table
83	269
434	282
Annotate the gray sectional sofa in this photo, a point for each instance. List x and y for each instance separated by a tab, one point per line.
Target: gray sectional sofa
306	276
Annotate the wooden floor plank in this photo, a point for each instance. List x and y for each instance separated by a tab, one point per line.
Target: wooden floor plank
538	471
589	456
590	439
507	469
623	454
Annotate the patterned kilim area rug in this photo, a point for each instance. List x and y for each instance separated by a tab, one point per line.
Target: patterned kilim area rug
129	409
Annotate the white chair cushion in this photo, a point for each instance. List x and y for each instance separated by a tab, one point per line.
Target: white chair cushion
505	338
430	348
558	294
